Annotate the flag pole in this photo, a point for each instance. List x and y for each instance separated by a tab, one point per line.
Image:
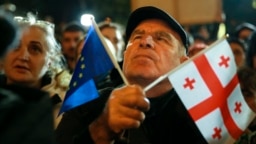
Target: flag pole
151	85
113	59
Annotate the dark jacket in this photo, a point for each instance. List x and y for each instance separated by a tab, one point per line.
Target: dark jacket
167	121
26	115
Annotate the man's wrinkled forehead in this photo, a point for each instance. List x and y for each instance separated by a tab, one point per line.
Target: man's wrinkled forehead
155	26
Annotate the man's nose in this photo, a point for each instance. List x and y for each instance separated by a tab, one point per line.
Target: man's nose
73	44
147	42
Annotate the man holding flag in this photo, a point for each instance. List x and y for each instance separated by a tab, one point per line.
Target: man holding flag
148	109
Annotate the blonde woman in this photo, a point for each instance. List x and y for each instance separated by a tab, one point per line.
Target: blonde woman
37	61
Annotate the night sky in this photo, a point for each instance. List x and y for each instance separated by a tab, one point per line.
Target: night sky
236	11
70	10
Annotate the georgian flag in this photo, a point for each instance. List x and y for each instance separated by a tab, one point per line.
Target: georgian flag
209	88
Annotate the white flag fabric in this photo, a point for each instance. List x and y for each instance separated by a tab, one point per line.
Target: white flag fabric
209	88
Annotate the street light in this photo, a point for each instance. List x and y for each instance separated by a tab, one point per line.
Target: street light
86	19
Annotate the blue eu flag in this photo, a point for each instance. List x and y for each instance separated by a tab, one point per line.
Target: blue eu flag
93	62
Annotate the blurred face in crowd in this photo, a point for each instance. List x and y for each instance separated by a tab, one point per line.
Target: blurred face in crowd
153	49
69	43
196	48
114	36
239	53
250	97
81	44
79	48
244	34
29	62
249	94
247	79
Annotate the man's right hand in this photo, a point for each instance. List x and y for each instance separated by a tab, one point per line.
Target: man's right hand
124	110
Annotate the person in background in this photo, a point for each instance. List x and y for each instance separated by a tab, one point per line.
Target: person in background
251	51
238	47
155	44
196	48
103	80
10	31
114	39
114	33
37	62
247	79
244	30
197	38
26	112
71	34
79	47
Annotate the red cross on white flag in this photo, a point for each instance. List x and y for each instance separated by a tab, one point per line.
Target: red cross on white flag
209	88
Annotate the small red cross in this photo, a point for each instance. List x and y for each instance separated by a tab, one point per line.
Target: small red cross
189	83
224	61
217	133
238	107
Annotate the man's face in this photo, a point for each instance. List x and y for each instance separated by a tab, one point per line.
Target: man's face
239	54
69	43
112	35
153	50
244	34
249	96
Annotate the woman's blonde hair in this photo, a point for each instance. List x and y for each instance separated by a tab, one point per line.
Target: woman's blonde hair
54	49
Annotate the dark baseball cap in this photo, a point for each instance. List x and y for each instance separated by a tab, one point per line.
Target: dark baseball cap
150	12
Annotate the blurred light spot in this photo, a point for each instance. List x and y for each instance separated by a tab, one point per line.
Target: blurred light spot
222	30
86	19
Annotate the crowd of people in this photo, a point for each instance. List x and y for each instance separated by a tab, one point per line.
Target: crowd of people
37	70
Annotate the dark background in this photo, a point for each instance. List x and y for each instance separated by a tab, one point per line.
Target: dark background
63	11
70	10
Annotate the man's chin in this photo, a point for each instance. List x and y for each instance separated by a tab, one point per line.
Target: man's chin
142	77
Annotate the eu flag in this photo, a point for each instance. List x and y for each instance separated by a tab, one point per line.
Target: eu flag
94	61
